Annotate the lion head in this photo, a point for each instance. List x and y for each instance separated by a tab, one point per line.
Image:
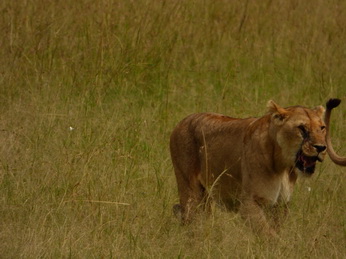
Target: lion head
300	133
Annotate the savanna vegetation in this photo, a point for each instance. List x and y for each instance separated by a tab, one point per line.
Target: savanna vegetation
90	91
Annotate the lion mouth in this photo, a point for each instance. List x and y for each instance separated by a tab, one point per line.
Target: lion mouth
305	163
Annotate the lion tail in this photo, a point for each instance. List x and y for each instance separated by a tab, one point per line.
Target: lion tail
331	104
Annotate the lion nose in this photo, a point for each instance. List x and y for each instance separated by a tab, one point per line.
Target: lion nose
320	148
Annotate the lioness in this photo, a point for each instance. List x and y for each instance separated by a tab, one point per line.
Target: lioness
248	164
331	104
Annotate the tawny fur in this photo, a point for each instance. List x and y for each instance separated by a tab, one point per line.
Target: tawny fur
248	164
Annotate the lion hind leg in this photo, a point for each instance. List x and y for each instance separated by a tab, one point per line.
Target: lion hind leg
186	163
177	211
192	197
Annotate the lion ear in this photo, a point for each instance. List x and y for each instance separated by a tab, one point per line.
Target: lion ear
320	111
278	112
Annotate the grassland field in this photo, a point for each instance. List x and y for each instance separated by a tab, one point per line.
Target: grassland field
91	90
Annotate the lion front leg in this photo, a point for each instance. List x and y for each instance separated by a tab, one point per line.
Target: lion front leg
279	213
251	210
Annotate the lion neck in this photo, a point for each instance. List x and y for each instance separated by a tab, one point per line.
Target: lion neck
270	154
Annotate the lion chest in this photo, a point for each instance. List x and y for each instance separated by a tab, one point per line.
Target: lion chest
286	188
279	191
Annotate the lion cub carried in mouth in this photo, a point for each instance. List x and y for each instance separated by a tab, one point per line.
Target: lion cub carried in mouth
248	164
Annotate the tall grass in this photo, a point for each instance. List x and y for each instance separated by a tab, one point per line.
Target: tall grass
90	91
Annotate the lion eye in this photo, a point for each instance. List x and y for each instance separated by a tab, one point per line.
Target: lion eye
323	127
304	131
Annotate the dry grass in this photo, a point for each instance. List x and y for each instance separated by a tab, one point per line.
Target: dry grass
90	91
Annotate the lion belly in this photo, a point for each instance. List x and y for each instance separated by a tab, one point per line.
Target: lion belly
220	152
